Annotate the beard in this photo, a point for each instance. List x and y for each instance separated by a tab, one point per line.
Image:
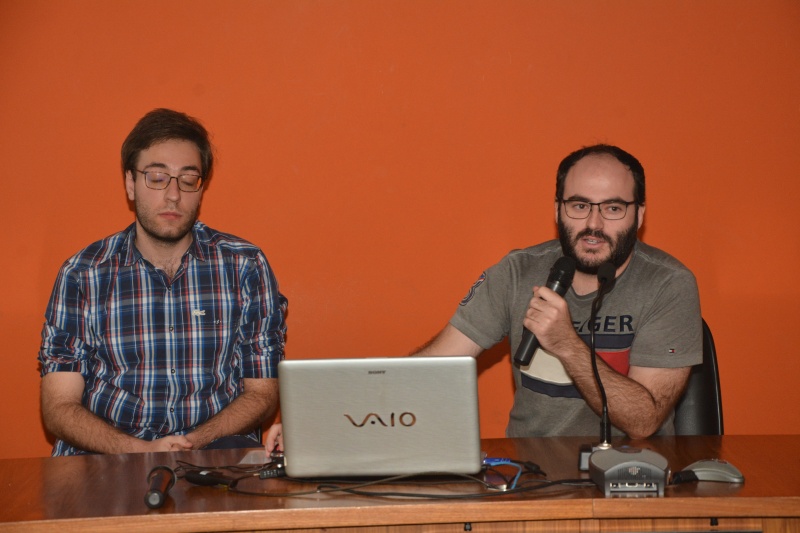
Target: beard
168	234
621	245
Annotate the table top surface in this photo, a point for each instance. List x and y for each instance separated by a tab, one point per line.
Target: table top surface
85	491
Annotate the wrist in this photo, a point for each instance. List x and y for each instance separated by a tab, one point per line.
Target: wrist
124	443
571	349
197	439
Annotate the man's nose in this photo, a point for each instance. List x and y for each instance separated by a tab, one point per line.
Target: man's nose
173	192
595	219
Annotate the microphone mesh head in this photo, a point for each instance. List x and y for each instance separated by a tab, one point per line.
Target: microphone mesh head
564	270
606	272
561	274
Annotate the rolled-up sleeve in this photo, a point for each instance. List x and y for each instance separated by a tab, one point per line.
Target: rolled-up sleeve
63	347
262	328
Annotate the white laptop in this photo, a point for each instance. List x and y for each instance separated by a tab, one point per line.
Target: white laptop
380	416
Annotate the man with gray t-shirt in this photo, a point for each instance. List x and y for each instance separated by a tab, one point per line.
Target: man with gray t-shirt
648	332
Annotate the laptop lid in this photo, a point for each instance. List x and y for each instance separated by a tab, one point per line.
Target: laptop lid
380	416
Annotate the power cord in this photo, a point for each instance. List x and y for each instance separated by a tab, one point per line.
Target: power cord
228	477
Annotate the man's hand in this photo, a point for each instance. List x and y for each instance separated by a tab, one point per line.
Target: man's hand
274	438
549	319
172	443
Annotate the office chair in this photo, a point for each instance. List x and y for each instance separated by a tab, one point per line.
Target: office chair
699	411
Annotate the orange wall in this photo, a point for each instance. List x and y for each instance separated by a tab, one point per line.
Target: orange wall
384	152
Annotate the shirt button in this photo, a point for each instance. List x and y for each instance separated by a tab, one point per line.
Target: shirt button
171	328
171	409
173	370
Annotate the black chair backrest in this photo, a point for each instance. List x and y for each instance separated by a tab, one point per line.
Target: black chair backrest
699	411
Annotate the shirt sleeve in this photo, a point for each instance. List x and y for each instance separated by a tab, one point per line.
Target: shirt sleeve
63	347
483	314
262	326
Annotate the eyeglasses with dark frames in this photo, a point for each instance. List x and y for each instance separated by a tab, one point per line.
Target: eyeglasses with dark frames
609	210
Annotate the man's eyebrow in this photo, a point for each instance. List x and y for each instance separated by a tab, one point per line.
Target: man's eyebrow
156	164
578	198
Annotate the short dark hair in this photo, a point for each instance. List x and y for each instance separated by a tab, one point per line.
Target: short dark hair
161	125
603	149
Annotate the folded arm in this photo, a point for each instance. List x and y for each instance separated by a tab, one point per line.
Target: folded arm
65	417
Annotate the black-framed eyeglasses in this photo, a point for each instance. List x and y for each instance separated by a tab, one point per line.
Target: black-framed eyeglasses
160	180
609	210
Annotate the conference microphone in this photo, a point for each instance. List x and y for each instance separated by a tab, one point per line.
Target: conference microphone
161	479
559	281
626	471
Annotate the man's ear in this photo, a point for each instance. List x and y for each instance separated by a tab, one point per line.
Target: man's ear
641	216
558	204
129	185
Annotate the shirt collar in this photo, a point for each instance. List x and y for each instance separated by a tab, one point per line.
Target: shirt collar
199	248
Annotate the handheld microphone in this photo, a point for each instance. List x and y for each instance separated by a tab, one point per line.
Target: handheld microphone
559	281
161	479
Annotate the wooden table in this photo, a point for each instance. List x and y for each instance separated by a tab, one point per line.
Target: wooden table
106	493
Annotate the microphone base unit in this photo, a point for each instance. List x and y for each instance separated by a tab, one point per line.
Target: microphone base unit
627	471
586	450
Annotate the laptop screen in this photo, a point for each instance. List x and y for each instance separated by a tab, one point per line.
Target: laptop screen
380	416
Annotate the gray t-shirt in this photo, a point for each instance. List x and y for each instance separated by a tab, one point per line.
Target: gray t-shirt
650	318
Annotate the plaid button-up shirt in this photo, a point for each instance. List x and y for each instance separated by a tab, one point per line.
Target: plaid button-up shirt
162	356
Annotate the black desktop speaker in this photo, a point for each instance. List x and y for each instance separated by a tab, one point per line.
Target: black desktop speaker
629	471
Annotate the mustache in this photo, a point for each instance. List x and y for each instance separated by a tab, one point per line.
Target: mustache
594	233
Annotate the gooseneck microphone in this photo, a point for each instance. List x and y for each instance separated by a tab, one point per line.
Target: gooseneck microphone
161	479
625	471
559	281
605	278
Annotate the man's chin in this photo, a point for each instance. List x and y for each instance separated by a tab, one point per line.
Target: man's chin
589	263
172	237
168	235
